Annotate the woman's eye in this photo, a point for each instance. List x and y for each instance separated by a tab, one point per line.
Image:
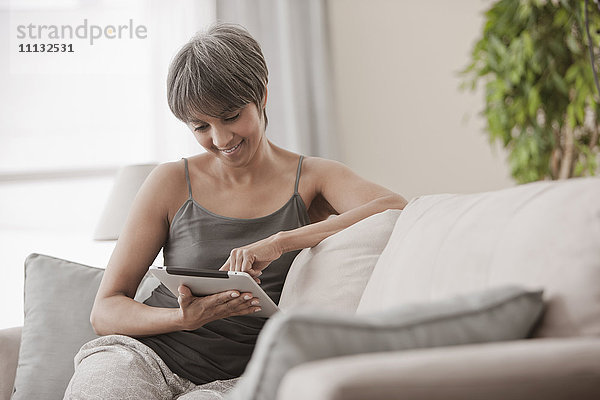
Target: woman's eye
201	128
232	118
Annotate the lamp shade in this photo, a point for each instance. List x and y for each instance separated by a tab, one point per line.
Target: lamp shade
127	183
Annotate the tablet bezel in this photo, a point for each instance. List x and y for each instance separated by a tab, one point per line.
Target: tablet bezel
204	282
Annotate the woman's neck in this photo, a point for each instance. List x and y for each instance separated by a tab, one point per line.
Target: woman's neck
263	161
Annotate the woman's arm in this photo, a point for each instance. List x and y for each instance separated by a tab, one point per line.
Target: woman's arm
143	235
311	235
353	197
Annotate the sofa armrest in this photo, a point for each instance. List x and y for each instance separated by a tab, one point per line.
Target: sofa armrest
549	369
10	341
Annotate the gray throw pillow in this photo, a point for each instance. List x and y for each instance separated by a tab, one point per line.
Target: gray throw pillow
289	339
59	295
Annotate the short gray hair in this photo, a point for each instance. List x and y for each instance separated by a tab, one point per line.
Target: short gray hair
217	72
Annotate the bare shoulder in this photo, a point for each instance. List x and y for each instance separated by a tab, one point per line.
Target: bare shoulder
340	186
287	161
166	176
321	164
319	168
319	173
165	187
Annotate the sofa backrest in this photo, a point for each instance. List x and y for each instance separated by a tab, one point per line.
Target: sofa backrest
539	235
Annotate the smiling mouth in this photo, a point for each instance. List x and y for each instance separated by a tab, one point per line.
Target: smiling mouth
232	149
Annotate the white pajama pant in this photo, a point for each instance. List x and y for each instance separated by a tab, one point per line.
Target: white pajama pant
120	367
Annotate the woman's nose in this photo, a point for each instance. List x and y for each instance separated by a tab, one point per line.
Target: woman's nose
221	138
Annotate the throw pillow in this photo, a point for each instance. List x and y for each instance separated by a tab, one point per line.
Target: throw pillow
333	274
289	339
59	295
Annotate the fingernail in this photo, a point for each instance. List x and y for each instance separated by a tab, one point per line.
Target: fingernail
234	294
246	297
254	303
258	309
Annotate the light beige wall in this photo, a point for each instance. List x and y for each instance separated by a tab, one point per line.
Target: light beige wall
402	120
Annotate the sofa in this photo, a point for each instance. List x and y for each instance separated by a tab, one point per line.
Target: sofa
542	236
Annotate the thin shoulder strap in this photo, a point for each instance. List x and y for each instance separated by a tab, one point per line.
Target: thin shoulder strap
187	177
298	174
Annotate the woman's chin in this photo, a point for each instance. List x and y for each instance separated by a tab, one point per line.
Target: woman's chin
235	157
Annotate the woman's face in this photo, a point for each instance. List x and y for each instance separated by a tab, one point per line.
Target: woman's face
234	138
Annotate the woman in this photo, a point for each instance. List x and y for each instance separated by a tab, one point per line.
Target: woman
221	209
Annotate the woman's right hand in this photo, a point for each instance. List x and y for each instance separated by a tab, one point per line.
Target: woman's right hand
197	311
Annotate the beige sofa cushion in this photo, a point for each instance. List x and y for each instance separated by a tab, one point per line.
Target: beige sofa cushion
548	369
333	274
544	234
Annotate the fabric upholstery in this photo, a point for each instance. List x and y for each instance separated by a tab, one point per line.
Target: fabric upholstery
504	313
543	234
59	296
549	369
10	340
333	274
58	299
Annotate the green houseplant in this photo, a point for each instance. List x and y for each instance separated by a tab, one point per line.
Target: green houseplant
541	102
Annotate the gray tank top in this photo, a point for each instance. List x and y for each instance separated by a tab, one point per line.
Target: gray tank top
199	238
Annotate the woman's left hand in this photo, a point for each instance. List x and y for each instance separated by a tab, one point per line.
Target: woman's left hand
253	258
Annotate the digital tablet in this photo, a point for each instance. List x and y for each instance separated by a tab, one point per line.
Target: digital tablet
204	282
